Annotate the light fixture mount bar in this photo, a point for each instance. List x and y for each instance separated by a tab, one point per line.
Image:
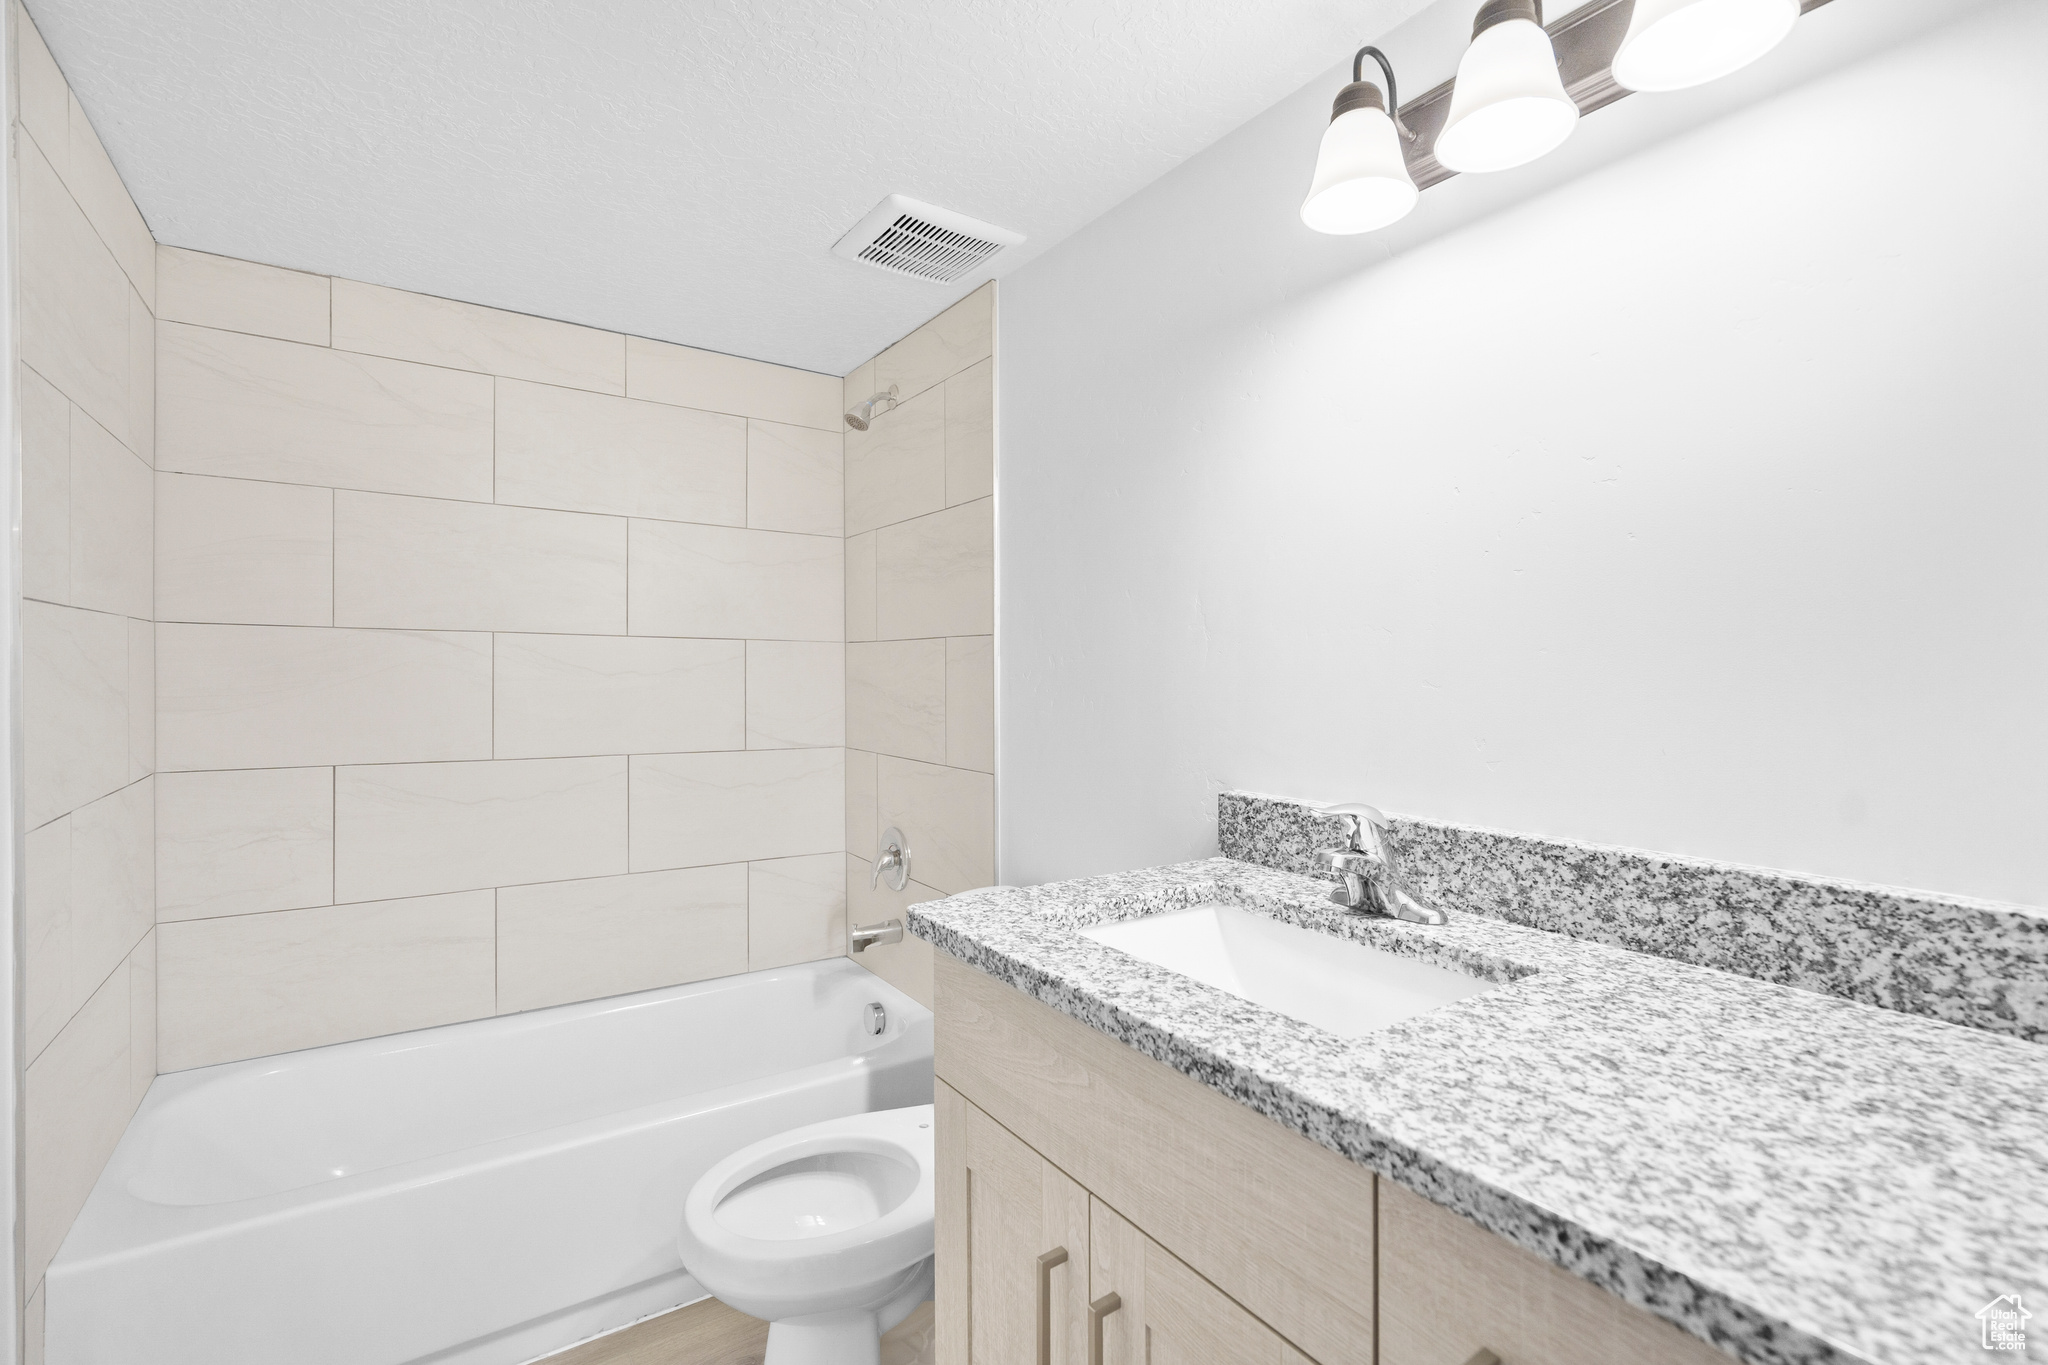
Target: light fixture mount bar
1586	41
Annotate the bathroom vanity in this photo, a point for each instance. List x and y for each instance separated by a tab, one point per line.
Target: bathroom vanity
1221	1235
1605	1157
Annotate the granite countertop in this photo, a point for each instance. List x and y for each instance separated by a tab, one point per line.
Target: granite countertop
1791	1176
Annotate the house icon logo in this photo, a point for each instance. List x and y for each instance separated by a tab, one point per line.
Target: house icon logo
2005	1323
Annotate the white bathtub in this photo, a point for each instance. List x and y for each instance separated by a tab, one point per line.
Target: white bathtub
482	1193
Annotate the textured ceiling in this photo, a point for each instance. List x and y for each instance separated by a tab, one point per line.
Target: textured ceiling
672	168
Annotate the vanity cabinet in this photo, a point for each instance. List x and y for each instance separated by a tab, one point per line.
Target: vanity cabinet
1450	1289
1165	1313
1072	1167
1036	1269
1279	1226
1012	1233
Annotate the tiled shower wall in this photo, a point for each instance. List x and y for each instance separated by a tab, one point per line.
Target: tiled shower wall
389	661
920	622
500	662
87	280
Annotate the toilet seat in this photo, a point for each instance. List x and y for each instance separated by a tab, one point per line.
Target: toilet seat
835	1215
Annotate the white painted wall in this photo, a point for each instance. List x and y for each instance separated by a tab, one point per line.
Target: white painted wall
1688	490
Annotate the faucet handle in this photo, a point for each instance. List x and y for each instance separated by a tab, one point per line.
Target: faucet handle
1357	862
1355	817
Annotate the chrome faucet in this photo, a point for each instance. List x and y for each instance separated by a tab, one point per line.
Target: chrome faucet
1370	869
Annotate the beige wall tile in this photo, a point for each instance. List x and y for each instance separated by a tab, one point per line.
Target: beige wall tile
252	985
48	923
728	383
141	380
563	695
716	581
257	408
142	1017
74	708
412	829
692	810
77	1101
243	842
45	489
936	575
110	523
948	344
240	296
588	452
971	702
947	814
292	697
90	886
907	965
97	186
971	434
860	586
858	386
142	699
74	297
584	940
862	833
113	878
466	336
896	469
796	694
32	1328
45	98
794	478
796	910
238	551
896	698
429	564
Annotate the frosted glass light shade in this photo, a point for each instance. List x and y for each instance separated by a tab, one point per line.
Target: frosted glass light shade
1361	180
1672	44
1509	106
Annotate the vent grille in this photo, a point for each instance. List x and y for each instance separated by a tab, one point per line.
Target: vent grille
923	240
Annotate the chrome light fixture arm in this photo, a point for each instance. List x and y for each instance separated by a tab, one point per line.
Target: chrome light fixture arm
1393	95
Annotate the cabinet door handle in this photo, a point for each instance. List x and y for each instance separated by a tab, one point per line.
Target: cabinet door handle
1046	1262
1482	1356
1097	1311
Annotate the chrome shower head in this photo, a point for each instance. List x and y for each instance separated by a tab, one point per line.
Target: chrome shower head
863	413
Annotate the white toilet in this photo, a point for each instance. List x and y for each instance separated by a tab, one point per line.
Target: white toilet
825	1231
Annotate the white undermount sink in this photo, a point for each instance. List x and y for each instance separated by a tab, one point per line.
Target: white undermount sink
1343	987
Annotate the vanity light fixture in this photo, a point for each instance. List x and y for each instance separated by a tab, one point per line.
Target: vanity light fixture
1362	181
1673	44
1509	105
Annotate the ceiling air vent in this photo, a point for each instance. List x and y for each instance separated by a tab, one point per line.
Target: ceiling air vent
924	240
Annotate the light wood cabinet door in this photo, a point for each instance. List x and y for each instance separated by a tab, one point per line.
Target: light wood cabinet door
1281	1225
1449	1289
1165	1313
1001	1207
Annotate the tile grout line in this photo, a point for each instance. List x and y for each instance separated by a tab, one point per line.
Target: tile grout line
510	506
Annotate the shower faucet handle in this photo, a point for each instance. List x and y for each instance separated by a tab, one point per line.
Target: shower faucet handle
892	859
